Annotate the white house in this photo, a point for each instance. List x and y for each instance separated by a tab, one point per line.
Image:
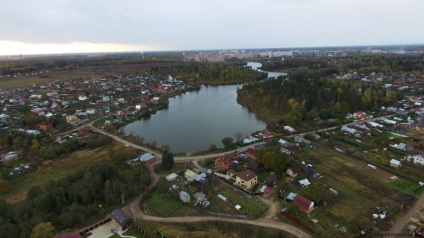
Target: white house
348	130
416	159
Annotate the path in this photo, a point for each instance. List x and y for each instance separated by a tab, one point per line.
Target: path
401	223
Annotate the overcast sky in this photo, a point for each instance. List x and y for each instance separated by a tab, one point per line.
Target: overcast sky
30	26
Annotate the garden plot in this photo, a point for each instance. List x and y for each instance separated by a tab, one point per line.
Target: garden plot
165	200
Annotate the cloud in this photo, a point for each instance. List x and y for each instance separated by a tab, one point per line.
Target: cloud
212	24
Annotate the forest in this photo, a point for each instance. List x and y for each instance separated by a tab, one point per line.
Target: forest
305	96
69	202
387	63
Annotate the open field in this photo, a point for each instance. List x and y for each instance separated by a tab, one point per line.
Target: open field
84	72
54	169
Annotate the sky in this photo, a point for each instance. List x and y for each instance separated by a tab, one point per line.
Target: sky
74	26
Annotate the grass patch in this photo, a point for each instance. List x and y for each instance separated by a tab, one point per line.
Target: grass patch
133	232
248	205
405	185
338	159
164	205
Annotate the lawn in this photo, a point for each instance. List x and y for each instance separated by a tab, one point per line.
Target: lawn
165	205
405	185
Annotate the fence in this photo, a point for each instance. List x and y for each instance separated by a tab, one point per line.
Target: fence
92	227
298	222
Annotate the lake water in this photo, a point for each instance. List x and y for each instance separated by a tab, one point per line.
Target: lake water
256	65
197	119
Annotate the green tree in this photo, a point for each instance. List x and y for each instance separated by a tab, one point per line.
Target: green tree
227	142
314	193
167	160
43	230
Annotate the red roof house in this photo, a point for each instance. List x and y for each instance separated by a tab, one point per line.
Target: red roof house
224	161
252	153
304	204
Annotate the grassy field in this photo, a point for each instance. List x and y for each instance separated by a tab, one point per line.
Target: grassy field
54	169
405	185
83	72
161	204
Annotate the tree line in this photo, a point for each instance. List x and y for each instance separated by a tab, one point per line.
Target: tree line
211	73
388	63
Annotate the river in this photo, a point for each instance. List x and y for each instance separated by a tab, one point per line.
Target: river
257	65
197	119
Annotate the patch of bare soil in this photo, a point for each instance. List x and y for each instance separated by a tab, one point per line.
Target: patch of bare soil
16	198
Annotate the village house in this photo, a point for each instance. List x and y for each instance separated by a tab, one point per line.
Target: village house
360	115
295	171
416	159
148	158
304	204
405	147
246	179
253	166
223	162
189	175
252	153
46	126
121	219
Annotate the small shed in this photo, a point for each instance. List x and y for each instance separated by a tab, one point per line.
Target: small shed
266	190
184	196
171	177
304	183
395	163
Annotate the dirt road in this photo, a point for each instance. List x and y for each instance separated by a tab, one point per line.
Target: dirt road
413	212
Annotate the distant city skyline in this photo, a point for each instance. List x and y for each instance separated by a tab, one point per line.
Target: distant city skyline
76	26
